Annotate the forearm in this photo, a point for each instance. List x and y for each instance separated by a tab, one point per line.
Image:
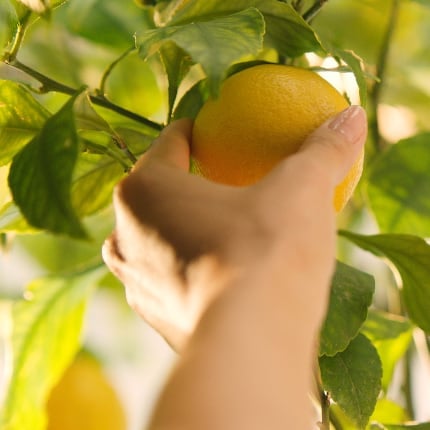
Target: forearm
248	366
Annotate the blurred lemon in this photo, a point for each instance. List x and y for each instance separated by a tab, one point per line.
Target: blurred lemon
84	399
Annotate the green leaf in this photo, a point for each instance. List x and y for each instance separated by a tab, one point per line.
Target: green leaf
423	426
94	179
105	22
391	335
215	44
386	411
46	333
21	118
11	220
40	176
286	30
176	64
356	65
411	256
191	102
350	297
399	187
353	379
8	24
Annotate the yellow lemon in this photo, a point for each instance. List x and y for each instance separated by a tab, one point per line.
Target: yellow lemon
84	400
263	114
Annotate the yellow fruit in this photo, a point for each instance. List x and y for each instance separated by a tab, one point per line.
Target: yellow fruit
262	115
84	400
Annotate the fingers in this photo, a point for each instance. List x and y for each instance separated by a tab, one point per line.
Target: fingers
337	144
172	146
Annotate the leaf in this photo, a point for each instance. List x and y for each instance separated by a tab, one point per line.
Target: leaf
350	297
46	335
11	220
94	179
423	426
215	44
8	24
21	118
411	256
399	187
40	176
176	64
353	379
391	335
386	411
191	102
286	30
356	65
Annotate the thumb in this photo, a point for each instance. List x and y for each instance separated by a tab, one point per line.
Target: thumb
338	143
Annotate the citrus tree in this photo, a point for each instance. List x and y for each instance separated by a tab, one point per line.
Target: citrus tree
87	85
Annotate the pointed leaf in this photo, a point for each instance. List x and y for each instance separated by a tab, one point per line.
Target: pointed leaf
286	30
391	335
411	256
176	64
94	179
350	297
191	102
8	24
46	335
21	118
41	174
399	187
353	379
215	44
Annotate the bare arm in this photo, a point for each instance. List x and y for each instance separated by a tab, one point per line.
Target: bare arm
237	279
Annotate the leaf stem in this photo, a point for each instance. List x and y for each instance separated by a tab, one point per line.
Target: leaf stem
381	68
102	88
325	410
49	84
314	10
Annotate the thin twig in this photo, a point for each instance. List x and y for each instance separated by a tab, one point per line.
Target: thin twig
49	84
381	67
325	410
314	10
101	91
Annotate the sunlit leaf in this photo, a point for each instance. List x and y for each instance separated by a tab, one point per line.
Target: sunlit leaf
423	426
41	174
11	220
356	65
353	379
399	187
191	102
46	335
386	411
350	297
8	24
215	44
94	179
391	335
21	118
286	30
411	256
176	64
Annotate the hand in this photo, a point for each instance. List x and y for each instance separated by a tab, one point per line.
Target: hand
181	241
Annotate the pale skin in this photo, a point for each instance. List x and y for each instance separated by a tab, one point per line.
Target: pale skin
235	279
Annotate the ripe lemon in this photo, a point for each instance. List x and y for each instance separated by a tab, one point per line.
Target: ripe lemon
83	399
263	114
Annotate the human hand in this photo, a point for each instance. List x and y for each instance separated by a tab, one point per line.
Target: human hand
180	240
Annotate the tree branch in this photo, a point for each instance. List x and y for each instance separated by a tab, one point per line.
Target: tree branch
314	10
49	84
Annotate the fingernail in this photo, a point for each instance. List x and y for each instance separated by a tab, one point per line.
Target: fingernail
351	123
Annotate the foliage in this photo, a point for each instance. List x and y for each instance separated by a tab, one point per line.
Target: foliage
86	85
